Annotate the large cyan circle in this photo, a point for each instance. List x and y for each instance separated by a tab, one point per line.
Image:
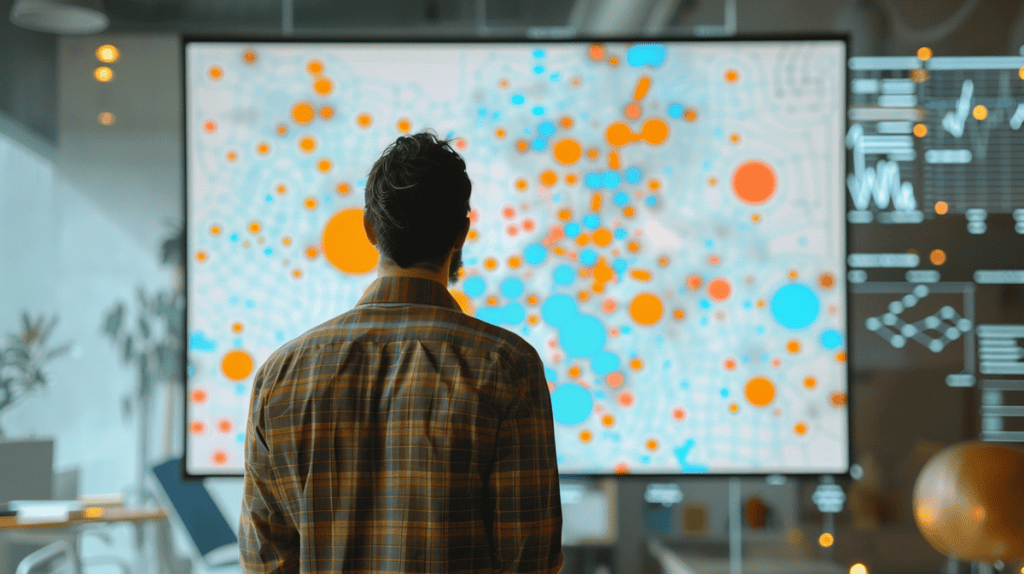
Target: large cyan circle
558	310
795	306
571	404
582	336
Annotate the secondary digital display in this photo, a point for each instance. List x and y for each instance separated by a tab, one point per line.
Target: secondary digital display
664	222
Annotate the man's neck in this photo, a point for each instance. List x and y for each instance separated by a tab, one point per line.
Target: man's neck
388	268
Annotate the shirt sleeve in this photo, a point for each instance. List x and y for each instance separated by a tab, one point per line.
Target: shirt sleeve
267	541
523	485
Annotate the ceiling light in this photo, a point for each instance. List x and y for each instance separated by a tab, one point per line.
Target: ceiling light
107	53
60	16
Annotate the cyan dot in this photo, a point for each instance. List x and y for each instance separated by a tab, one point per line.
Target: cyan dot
513	314
268	251
518	99
537	111
795	306
705	304
270	198
582	336
646	54
831	339
633	175
512	288
558	310
539	144
592	180
626	329
546	129
611	179
538	69
604	363
474	286
724	393
571	404
675	110
651	200
572	230
620	233
234	237
592	221
588	257
619	265
564	275
550	374
535	254
621	198
538	53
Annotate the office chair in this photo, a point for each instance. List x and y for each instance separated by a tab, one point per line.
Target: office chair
212	539
55	558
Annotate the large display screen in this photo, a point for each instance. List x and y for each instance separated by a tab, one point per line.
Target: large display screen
663	221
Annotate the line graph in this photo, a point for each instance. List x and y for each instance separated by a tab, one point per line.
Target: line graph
955	121
881	183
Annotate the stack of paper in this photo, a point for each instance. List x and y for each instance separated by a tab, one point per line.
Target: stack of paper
45	510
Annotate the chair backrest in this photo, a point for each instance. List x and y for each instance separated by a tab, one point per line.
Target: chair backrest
194	510
54	558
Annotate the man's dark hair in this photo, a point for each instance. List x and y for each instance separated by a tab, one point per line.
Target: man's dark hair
417	200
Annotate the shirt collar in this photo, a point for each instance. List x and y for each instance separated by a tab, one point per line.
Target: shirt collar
409	290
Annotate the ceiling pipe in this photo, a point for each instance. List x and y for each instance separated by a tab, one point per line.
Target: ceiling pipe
287	18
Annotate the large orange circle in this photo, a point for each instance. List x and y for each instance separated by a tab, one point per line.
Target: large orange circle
760	391
236	365
345	244
646	308
567	151
754	182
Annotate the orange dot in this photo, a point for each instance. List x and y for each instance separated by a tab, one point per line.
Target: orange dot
734	408
216	72
663	261
521	145
263	148
654	131
622	467
614	380
618	134
941	207
731	75
679	314
345	245
220	457
499	133
759	391
249	57
734	138
800	428
315	67
364	120
201	256
324	165
491	263
323	86
754	182
586	436
521	184
614	61
198	396
532	299
310	203
232	156
826	280
307	144
636	363
937	257
236	327
693	282
719	289
920	130
841	357
980	112
566	122
224	425
548	178
565	214
296	273
596	52
690	114
236	365
640	274
633	246
302	112
327	112
652	444
793	346
473	235
678	413
583	295
254	227
286	241
311	252
463	300
282	129
602	237
838	399
810	382
632	111
582	239
403	125
197	427
210	126
343	188
514	262
574	371
567	151
503	83
592	153
608	420
646	308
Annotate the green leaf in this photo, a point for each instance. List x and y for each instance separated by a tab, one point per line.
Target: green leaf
128	351
114	319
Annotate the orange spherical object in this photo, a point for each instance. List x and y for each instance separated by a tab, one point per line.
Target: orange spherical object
967	502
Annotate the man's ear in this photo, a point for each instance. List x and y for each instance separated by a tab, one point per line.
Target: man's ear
461	239
369	229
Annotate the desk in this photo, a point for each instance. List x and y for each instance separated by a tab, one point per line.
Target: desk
45	532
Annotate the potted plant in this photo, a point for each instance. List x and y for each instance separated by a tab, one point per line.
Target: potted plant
23	358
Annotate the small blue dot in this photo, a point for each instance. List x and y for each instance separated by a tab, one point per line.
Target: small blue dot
546	129
611	179
620	233
626	329
234	300
538	69
572	230
675	110
518	99
474	286
710	244
535	254
706	165
482	111
831	339
651	200
268	251
234	237
279	335
537	111
705	304
619	265
564	275
724	393
512	288
588	257
539	144
592	221
250	304
238	343
621	198
538	53
555	76
269	198
633	175
592	180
